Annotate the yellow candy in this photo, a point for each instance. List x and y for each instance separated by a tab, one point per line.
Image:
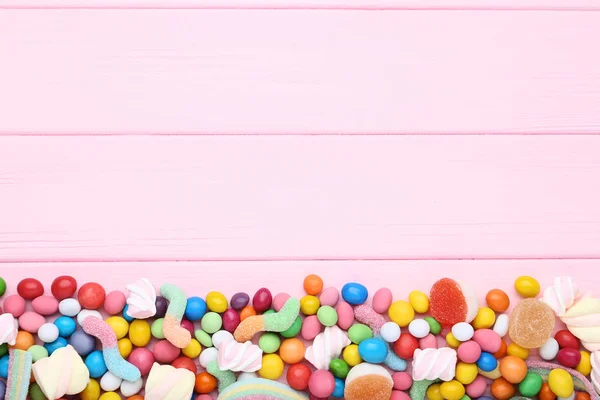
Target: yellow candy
309	305
91	391
453	390
527	286
110	396
585	365
351	356
495	374
561	383
484	319
216	301
517	351
419	301
433	392
193	349
452	341
125	347
466	373
139	333
401	312
272	367
119	325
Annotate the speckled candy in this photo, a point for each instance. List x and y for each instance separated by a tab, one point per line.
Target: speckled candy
239	300
114	302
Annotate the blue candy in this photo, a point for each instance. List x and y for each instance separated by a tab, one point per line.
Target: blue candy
125	315
354	293
4	366
95	364
195	308
57	344
338	392
373	350
83	343
487	362
66	326
485	398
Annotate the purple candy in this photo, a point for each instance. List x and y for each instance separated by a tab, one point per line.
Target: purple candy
239	301
161	306
83	343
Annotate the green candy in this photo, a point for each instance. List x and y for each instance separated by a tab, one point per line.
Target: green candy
2	286
203	337
3	349
211	322
465	397
531	385
434	327
327	316
35	393
359	332
157	327
339	368
269	312
269	342
37	352
293	330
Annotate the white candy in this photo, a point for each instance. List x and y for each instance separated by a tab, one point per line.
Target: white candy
110	382
419	328
129	389
209	354
549	350
221	337
83	314
390	332
69	307
463	331
48	333
501	325
246	375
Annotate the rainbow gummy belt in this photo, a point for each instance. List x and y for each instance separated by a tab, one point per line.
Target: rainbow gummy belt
447	342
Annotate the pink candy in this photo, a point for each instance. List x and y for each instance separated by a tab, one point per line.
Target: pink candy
488	340
310	328
428	342
469	352
402	380
45	305
477	388
31	321
143	359
15	305
382	300
345	315
165	352
279	300
398	395
114	302
329	297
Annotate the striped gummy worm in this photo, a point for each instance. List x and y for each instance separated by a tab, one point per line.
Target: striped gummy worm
172	329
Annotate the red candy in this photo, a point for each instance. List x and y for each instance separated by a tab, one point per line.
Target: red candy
447	302
165	352
298	376
63	287
566	339
262	300
185	363
187	324
569	357
91	296
143	359
231	320
406	345
30	288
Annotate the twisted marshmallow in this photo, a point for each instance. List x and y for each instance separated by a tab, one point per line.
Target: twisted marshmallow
561	295
141	299
8	329
583	320
596	370
166	382
327	346
63	373
431	364
239	357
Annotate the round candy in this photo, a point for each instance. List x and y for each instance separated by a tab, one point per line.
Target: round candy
211	322
428	342
91	296
110	382
269	342
45	305
531	323
531	385
192	350
402	380
433	392
462	331
48	333
327	316
292	351
119	326
239	301
114	302
487	362
63	287
313	284
354	293
139	333
561	383
31	321
434	326
161	307
109	396
382	299
390	332
15	305
466	372
527	286
309	305
143	359
231	320
502	389
188	325
95	364
345	314
569	357
566	339
321	383
513	369
195	308
208	355
37	352
549	350
30	288
497	300
66	326
129	389
272	367
205	383
453	390
419	301
419	328
469	351
83	343
477	388
157	328
485	318
69	307
164	352
298	376
373	350
359	332
185	363
329	297
216	302
339	368
2	290
351	355
406	345
91	391
401	312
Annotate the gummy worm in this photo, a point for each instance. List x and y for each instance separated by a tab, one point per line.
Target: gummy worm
19	374
260	388
225	378
114	362
172	329
274	322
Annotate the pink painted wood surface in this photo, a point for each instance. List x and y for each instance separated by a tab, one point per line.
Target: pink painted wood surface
311	197
259	71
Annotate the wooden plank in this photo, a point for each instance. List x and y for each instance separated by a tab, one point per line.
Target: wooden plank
563	5
301	197
353	72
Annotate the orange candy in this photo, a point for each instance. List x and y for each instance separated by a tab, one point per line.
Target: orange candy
205	383
502	352
545	393
24	340
497	300
313	284
136	397
513	369
582	396
502	389
246	312
292	350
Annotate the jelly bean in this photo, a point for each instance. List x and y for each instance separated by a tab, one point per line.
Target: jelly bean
527	286
561	383
513	369
2	287
272	367
339	368
216	302
185	324
566	339
83	343
419	328
327	316
69	307
292	351
37	352
15	305
345	314
298	376
351	355
195	308
95	364
359	332
203	337
401	312
63	287
462	331
313	284
469	352
354	293
143	359
501	325
489	340
139	333
569	357
452	390
585	365
434	326
549	350
157	328
531	385
205	383
390	332
45	305
91	391
517	351
502	352
486	362
161	305
269	342
466	373
125	347
502	389
231	320
382	299
30	288
211	322
493	374
546	393
309	305
485	318
31	321
329	297
164	351
419	301
321	384
497	300
373	350
406	345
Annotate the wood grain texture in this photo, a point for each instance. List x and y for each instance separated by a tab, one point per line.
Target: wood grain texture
302	197
263	72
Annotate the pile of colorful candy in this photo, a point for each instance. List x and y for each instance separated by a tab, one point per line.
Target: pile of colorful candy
331	343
